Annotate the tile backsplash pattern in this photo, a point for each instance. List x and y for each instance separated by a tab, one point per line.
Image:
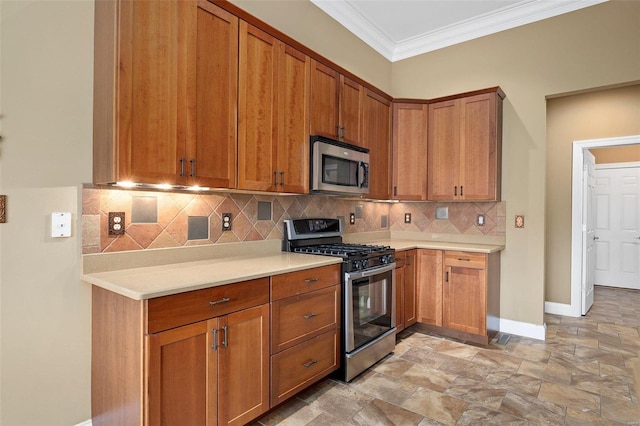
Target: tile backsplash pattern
174	209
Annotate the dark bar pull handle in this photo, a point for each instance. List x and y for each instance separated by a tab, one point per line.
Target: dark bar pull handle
310	363
223	300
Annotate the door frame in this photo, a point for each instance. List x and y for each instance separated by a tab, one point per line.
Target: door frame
575	309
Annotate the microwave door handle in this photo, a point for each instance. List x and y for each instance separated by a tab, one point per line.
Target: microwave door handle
362	181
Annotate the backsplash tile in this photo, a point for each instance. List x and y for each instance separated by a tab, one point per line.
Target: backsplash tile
174	210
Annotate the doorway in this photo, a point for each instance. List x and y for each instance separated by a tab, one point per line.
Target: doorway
578	226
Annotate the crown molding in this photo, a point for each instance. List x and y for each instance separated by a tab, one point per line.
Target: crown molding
522	13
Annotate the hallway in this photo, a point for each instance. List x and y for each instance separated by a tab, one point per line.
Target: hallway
582	374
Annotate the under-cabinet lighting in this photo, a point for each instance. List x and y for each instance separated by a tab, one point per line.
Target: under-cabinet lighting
163	186
126	184
197	188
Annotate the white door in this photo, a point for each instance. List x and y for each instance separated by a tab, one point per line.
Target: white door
618	226
588	231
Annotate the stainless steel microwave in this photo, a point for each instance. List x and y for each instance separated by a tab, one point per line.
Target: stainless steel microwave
338	168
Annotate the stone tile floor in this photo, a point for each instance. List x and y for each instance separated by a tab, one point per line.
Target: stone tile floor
587	372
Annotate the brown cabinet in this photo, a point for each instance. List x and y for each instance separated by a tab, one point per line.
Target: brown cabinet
336	104
410	151
464	147
170	117
406	307
200	357
459	293
213	372
305	321
376	135
273	144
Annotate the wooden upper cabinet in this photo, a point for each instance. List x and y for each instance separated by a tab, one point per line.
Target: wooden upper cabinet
273	135
325	100
376	136
257	109
149	119
351	107
464	148
410	151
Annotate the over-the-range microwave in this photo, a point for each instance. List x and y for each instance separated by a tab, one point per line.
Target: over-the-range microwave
338	167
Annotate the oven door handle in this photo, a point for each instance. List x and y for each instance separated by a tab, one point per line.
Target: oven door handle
370	272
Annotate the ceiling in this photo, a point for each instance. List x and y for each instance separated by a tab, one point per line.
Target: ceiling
400	29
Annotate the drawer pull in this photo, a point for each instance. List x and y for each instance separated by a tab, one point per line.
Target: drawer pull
311	315
310	363
217	302
464	259
311	280
214	345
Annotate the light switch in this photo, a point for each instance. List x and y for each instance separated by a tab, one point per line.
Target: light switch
60	225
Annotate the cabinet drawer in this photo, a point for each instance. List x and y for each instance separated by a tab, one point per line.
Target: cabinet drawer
465	259
300	282
179	309
298	367
297	318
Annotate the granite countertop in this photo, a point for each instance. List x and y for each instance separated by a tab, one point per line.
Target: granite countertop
146	274
162	280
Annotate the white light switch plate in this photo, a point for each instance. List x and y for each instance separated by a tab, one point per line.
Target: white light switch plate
60	224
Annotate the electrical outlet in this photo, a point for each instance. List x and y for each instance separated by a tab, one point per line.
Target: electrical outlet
519	221
116	223
226	221
352	218
407	218
480	220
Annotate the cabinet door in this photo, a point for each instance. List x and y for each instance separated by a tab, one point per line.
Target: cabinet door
464	299
410	305
399	297
351	104
325	95
410	151
182	370
478	147
243	372
153	89
429	277
293	116
376	136
443	151
257	118
211	154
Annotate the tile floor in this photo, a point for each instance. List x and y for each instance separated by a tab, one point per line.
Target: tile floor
583	374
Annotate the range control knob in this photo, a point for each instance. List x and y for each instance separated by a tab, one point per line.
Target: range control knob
386	259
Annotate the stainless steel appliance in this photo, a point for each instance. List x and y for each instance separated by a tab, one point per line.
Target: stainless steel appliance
338	168
368	290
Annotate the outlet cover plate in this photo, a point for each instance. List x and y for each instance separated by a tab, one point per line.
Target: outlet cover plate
116	223
226	221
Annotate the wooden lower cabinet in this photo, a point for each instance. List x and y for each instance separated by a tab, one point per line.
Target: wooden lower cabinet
214	372
406	303
459	293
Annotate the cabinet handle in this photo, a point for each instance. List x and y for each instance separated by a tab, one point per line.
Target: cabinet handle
395	191
275	178
193	167
446	275
181	166
225	342
217	302
461	194
338	131
311	280
282	178
310	363
455	191
311	315
464	259
214	346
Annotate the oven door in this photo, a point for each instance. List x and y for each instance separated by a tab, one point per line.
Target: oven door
369	305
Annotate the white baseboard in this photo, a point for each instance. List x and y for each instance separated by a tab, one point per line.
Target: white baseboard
523	329
85	423
560	309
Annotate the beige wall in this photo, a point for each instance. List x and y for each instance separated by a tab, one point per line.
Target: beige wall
594	115
46	84
618	154
593	47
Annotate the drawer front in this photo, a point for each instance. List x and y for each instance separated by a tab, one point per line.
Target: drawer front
294	283
298	367
172	311
298	318
465	259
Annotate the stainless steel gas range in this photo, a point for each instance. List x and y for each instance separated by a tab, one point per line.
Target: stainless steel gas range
368	290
